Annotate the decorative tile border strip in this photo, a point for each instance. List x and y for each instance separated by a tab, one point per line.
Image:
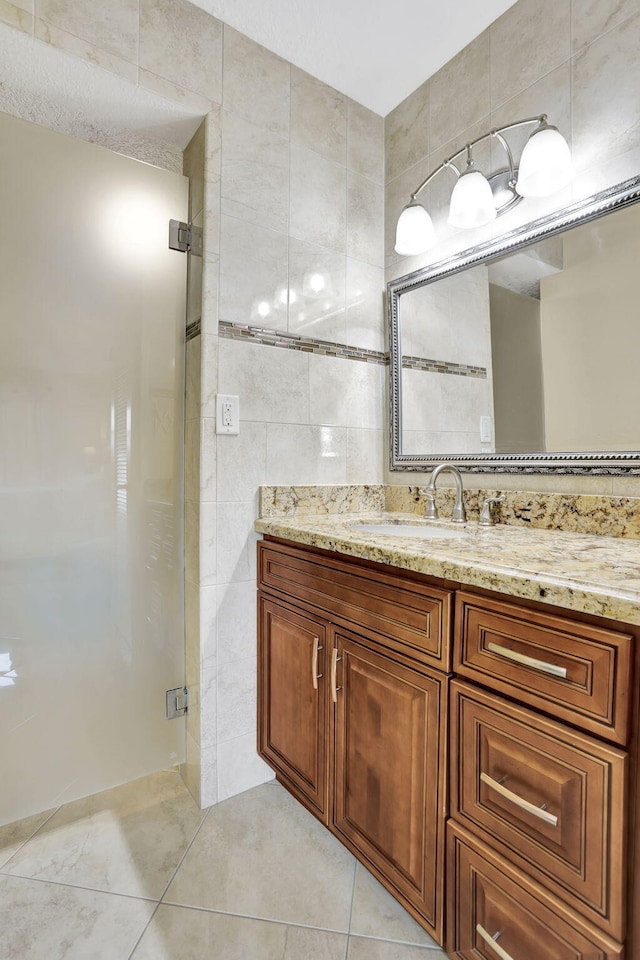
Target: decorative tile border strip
291	341
443	366
192	331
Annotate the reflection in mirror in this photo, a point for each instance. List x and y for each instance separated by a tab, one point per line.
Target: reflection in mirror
534	352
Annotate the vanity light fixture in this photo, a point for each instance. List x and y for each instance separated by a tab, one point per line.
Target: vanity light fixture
545	166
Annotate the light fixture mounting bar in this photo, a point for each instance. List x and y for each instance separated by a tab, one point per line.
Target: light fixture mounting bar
495	132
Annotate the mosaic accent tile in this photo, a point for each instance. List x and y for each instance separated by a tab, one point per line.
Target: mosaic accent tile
443	366
193	330
291	341
310	500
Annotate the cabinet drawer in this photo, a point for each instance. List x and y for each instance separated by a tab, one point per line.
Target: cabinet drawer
550	799
487	896
572	670
413	616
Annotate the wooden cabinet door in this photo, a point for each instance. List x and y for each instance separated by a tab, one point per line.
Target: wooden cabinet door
292	705
389	773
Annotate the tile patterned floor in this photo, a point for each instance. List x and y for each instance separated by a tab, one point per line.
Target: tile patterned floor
139	873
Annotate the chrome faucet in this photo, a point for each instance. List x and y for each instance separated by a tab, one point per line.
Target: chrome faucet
459	515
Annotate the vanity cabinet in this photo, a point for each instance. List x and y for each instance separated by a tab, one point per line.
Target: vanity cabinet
415	716
352	714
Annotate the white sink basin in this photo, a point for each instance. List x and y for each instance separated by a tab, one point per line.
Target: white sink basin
417	531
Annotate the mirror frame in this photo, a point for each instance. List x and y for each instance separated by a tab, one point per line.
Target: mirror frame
593	462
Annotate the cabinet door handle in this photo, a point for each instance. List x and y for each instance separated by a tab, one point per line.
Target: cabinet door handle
540	665
493	942
335	659
315	676
519	801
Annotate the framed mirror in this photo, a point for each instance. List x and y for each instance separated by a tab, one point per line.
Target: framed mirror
523	354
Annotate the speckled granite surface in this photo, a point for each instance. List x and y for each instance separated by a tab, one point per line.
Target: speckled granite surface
302	501
583	572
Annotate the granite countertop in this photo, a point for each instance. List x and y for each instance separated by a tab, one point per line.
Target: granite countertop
582	572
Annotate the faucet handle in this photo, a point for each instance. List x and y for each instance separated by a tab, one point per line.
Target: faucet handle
486	518
431	510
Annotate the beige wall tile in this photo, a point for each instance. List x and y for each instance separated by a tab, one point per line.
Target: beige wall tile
459	92
318	199
174	91
318	116
209	367
239	768
365	456
272	383
27	6
182	43
256	83
237	696
193	167
192	460
365	142
192	386
550	95
365	219
255	173
111	27
532	38
316	292
406	131
208	631
606	94
208	543
192	541
302	454
625	486
236	621
242	462
18	15
236	542
346	393
208	459
253	272
365	306
81	47
591	18
213	144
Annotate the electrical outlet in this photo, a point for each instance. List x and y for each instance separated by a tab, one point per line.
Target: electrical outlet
227	414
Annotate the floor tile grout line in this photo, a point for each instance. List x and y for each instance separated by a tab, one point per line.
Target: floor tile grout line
77	886
32	835
353	896
144	930
249	916
182	858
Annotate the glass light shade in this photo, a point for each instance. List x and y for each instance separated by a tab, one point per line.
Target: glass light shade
545	164
415	232
472	203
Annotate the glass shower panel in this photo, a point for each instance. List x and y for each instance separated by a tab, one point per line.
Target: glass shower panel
92	314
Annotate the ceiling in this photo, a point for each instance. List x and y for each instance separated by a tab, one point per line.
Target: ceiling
375	51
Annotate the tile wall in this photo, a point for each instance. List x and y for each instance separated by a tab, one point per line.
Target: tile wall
576	60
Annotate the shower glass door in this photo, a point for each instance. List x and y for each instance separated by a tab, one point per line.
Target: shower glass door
92	314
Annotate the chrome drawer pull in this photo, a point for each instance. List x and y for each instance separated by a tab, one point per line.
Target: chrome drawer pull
519	801
541	665
492	941
315	676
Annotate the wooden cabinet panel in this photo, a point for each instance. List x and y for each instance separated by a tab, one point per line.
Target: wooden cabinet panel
413	616
389	765
549	798
292	706
572	670
487	896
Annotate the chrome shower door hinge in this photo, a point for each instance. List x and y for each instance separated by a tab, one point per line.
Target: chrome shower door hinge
177	702
185	237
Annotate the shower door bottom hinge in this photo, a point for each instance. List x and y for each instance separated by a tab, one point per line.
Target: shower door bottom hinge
177	702
185	237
